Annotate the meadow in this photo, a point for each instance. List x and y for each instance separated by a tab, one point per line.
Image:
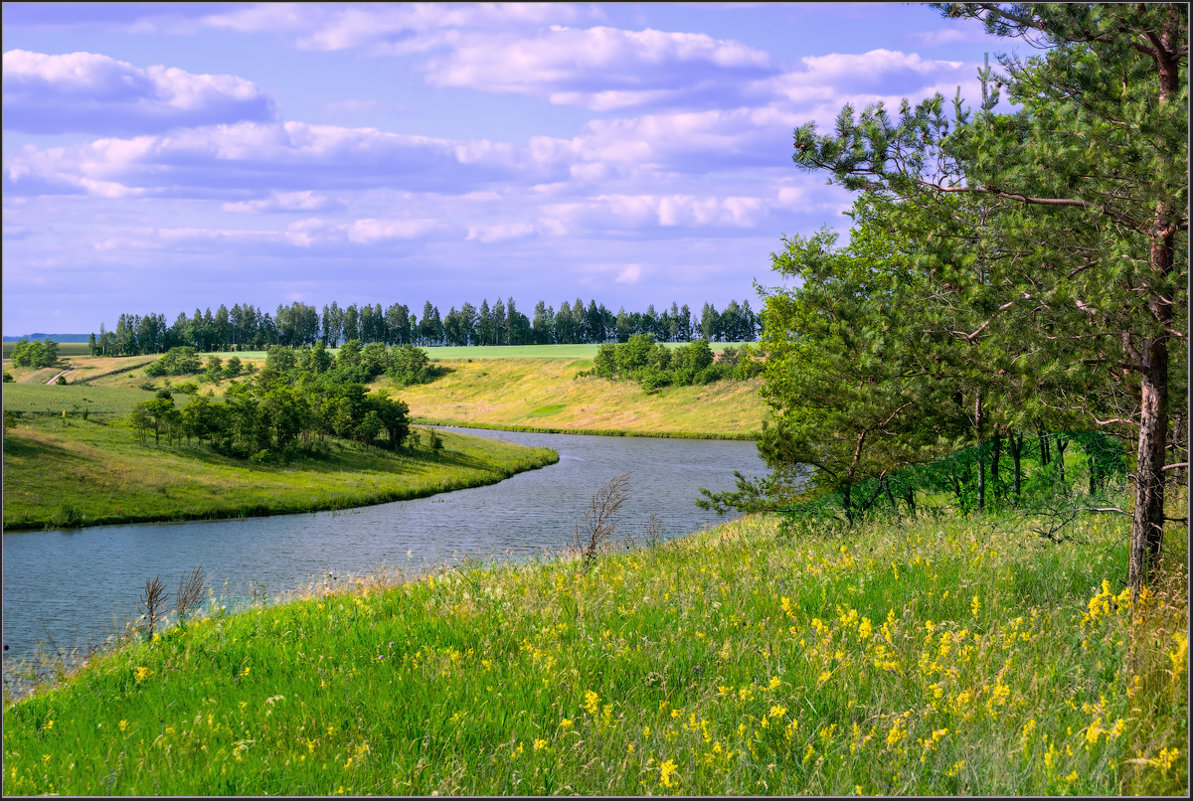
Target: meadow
66	471
931	655
517	391
548	395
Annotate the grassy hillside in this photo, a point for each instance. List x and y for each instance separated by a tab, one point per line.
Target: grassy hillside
927	656
75	472
544	394
530	387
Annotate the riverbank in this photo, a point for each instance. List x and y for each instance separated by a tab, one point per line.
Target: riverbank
66	472
924	656
546	395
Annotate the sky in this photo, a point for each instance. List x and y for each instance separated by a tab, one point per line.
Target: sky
163	157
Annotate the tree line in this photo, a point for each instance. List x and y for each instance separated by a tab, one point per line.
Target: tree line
245	327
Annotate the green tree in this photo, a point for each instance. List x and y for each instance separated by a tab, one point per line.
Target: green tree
1085	188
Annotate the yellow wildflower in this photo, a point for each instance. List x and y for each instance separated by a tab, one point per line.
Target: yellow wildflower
566	724
142	673
1179	656
667	772
123	725
592	702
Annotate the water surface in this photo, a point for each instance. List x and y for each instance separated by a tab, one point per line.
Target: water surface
73	589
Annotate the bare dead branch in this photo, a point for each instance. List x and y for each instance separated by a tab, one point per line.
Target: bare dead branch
601	518
190	592
153	601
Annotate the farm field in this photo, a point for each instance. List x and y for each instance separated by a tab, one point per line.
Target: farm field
927	655
65	349
68	472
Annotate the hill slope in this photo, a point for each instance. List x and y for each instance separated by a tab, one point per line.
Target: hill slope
545	394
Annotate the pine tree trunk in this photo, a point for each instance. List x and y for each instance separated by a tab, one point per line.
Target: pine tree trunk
1147	523
977	418
1061	444
1016	447
995	455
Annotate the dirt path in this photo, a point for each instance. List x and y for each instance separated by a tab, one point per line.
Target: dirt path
64	372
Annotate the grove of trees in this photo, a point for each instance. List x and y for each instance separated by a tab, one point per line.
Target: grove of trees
244	327
40	353
653	365
300	398
1006	272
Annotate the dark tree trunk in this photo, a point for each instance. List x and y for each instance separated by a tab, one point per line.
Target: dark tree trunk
1045	455
890	496
977	424
1061	444
1015	445
995	455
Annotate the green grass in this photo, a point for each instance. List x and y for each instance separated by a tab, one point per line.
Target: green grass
546	395
936	655
77	472
65	349
52	399
513	392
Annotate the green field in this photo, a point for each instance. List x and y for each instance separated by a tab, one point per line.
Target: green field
60	472
39	398
65	349
931	655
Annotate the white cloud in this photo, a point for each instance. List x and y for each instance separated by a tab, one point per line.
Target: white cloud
632	274
94	93
499	232
283	202
601	68
377	25
250	157
631	213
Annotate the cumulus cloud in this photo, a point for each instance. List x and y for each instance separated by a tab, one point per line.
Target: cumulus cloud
601	68
631	274
281	202
500	232
252	157
90	92
630	213
317	26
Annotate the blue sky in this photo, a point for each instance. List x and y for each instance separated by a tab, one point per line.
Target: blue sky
159	157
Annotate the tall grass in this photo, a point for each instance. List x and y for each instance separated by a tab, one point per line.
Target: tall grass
925	655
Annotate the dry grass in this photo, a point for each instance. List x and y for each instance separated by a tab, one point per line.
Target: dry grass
545	393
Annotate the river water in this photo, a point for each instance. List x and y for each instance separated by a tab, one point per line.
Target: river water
74	589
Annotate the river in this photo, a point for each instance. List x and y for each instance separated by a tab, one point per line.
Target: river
72	589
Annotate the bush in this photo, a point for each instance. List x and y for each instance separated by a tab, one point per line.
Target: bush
181	360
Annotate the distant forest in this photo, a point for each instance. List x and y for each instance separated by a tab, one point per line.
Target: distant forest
244	327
